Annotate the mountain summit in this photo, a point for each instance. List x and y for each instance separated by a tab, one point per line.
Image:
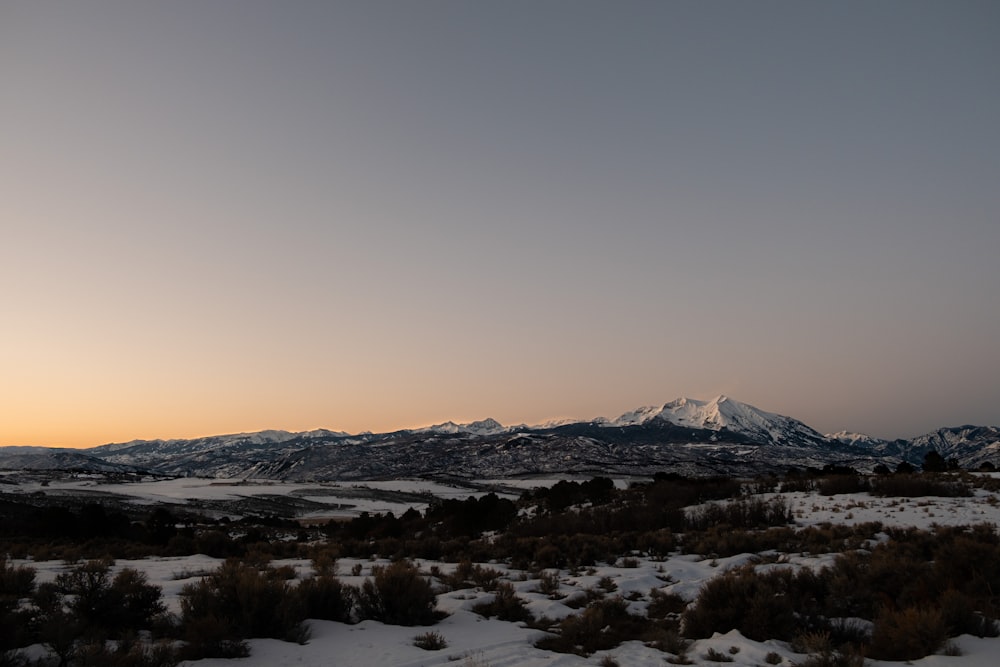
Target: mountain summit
724	413
488	426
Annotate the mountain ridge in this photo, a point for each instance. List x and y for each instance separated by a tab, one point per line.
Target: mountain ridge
717	436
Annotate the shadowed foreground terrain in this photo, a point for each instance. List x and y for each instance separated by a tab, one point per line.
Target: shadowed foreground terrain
821	568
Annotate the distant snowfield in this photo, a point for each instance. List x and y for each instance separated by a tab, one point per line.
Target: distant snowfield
477	642
378	496
342	499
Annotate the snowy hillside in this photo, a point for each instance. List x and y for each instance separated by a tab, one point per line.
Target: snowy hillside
689	436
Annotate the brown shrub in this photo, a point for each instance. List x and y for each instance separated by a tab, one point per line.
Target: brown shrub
398	595
325	597
907	634
664	605
239	601
505	605
775	604
603	625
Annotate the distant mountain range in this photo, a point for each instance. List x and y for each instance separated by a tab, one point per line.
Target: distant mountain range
721	436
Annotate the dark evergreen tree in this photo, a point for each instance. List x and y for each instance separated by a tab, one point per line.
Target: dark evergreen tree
934	462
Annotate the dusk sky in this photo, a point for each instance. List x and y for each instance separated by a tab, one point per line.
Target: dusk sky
229	216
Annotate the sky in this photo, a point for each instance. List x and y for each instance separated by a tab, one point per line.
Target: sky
228	216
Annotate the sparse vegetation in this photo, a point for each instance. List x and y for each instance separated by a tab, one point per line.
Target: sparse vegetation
430	641
603	625
505	605
890	593
713	655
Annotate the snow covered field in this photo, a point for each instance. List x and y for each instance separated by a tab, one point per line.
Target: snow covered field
333	499
473	641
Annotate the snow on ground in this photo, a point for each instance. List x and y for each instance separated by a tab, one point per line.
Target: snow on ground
343	500
854	508
474	641
477	642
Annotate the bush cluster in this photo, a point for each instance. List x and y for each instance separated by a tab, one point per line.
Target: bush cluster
915	486
505	605
745	514
89	617
603	624
237	601
917	589
84	617
398	595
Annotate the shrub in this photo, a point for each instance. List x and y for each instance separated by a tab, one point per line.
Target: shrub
663	604
607	584
848	658
915	486
856	581
505	605
239	601
758	605
467	574
325	597
475	660
907	634
725	541
668	640
208	636
548	584
135	602
86	591
958	611
397	595
603	625
430	641
324	562
16	581
97	605
716	656
812	642
124	654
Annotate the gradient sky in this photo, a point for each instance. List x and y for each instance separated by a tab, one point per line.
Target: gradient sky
234	215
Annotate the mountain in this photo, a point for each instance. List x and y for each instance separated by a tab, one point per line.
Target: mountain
70	460
687	436
724	413
488	426
849	438
971	446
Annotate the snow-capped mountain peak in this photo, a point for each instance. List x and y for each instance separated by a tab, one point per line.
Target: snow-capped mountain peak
721	413
851	438
488	426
